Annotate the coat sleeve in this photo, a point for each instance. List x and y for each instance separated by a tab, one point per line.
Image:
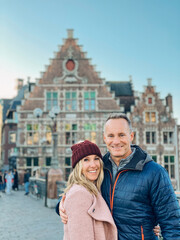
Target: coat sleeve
80	223
165	205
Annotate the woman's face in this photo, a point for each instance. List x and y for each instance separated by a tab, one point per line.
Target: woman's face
91	167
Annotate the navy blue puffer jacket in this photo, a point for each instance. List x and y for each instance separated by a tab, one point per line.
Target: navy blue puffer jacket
141	197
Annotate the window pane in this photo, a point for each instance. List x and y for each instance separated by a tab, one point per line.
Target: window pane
74	126
73	94
165	138
35	127
86	104
48	161
74	137
36	137
92	104
93	137
172	171
68	161
28	162
67	172
172	159
48	95
153	137
86	95
48	138
55	95
147	117
166	167
68	127
153	117
147	137
93	126
29	127
74	105
36	162
170	137
166	159
68	105
92	95
154	158
55	103
67	95
68	138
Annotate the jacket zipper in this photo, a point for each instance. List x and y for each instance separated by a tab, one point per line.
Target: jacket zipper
142	233
112	197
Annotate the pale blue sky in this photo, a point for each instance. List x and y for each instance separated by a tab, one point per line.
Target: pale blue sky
123	37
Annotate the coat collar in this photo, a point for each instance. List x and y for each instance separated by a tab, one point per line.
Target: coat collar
99	210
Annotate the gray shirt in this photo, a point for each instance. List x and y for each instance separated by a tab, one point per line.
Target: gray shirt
122	163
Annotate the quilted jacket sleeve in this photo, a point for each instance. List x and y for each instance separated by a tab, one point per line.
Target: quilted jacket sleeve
165	205
80	223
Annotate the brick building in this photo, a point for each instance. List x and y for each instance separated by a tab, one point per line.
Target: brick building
85	100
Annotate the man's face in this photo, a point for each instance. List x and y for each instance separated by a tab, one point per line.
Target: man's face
118	138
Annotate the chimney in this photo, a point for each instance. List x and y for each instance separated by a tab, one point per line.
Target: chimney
70	33
149	80
169	102
19	83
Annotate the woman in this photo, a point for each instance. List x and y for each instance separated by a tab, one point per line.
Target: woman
88	215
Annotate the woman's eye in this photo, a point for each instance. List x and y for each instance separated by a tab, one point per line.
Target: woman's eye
97	158
85	159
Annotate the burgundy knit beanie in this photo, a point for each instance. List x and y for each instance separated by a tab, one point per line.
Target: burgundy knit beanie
83	149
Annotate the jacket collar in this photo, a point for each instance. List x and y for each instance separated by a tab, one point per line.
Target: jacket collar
138	161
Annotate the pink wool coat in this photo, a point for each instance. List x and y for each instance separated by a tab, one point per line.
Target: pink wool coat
89	217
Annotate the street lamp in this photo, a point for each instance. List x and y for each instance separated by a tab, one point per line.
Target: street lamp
54	174
53	115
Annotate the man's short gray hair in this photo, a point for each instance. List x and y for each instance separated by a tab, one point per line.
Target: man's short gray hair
119	116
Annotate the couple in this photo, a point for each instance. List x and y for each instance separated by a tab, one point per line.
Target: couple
137	191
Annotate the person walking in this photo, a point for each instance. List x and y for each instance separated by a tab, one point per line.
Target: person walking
9	182
89	216
26	182
1	182
16	179
137	190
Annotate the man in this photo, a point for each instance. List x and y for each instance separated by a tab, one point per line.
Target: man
137	190
16	180
26	182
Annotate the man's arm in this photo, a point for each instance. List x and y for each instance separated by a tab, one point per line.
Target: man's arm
165	204
60	209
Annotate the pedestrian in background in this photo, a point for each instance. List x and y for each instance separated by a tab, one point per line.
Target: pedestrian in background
26	182
1	181
16	179
9	182
4	180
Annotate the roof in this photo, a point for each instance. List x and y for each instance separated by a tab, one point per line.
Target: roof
6	104
121	88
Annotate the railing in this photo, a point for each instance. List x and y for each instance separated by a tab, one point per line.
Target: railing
37	187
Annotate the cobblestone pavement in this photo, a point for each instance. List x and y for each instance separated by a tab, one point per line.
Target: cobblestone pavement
25	218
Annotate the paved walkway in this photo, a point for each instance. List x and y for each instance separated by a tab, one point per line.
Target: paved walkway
25	218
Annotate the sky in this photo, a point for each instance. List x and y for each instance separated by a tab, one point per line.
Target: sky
140	38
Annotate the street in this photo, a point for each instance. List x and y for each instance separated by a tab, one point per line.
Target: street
25	218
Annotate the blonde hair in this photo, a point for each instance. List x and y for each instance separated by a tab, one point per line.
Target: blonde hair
76	177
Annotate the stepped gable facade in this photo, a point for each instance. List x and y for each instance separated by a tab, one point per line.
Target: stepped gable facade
84	99
156	129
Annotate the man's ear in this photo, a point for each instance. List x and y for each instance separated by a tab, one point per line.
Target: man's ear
104	138
132	136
